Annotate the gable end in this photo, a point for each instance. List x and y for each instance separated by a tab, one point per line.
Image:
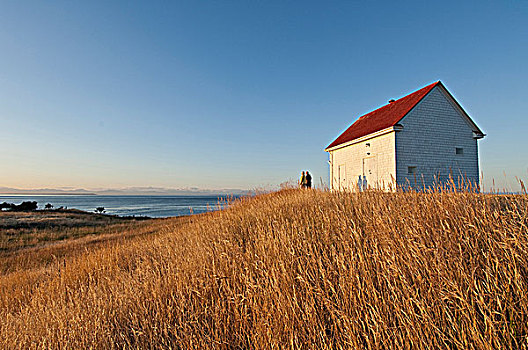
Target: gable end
478	134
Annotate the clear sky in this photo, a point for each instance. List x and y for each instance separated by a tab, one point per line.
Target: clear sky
241	94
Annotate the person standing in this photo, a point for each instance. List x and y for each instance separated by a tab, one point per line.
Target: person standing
308	180
360	184
365	183
302	181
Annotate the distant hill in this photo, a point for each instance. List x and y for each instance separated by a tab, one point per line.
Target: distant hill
129	191
44	191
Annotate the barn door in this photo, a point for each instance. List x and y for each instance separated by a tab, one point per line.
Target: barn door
341	178
370	171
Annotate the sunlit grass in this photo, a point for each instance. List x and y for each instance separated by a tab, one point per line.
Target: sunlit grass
292	269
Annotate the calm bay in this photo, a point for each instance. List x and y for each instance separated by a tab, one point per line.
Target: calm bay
152	206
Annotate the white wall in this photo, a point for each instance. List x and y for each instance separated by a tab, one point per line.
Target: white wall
431	132
355	160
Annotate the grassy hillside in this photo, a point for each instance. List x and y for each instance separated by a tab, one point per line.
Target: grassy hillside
33	239
293	269
19	229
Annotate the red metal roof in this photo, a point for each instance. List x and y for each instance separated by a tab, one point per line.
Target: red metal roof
383	117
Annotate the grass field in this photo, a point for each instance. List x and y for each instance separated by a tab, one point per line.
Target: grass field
32	228
292	269
31	239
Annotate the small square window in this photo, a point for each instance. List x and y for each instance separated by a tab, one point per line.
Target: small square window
459	150
411	170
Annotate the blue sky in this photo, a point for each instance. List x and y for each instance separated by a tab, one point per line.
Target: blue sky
241	94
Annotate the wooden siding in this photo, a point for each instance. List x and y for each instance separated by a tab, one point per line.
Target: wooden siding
431	133
374	158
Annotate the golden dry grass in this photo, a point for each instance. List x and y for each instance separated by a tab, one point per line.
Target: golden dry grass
34	228
292	269
34	239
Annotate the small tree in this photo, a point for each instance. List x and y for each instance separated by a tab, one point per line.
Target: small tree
7	206
48	206
26	206
100	210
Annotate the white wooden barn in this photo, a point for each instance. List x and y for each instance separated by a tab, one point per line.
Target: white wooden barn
419	140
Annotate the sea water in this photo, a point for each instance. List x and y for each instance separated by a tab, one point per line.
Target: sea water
152	206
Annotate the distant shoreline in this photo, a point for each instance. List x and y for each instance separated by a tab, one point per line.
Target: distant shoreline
46	194
120	194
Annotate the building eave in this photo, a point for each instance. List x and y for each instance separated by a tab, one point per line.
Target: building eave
478	136
366	137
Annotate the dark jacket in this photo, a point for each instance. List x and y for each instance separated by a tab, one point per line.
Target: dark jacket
308	180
